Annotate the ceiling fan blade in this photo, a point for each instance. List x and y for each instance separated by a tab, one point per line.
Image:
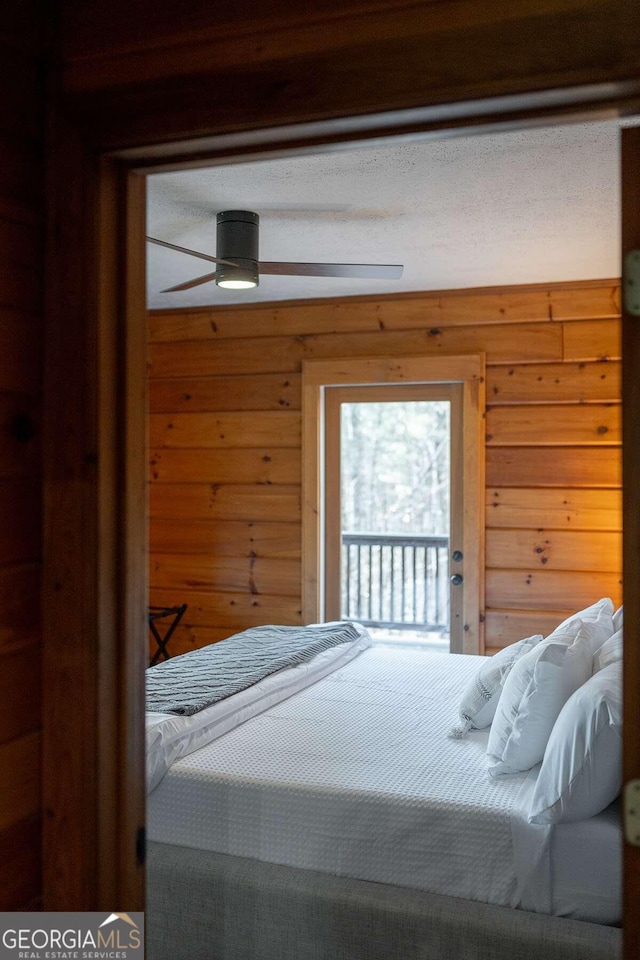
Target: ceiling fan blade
366	271
190	283
192	253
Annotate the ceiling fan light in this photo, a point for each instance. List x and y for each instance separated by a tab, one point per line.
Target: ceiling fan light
239	275
237	241
237	284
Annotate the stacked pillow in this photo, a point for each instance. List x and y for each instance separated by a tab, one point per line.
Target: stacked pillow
539	686
582	769
617	619
559	701
481	695
609	652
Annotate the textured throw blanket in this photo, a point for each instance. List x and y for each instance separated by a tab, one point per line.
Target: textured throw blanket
188	684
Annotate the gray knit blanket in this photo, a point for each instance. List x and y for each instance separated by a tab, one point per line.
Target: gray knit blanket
189	683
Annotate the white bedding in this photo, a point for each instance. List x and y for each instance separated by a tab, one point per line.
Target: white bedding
169	737
355	776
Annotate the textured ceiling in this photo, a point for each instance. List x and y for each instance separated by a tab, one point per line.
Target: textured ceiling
526	207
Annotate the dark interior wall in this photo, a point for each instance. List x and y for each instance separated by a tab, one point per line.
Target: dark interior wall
21	276
258	65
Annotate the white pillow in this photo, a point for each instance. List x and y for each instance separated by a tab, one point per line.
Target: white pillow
601	612
609	652
582	769
617	619
481	695
535	692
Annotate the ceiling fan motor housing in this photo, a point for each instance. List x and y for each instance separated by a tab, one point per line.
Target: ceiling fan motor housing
237	240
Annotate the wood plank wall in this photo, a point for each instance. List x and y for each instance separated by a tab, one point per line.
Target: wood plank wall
21	270
225	458
141	73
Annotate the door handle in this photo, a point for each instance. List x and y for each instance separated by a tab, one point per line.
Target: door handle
457	579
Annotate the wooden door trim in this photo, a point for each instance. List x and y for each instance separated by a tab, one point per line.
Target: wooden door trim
94	585
320	374
495	115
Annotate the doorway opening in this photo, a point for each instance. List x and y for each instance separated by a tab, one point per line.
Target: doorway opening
391	480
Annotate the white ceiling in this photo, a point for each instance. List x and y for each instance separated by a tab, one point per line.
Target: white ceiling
526	207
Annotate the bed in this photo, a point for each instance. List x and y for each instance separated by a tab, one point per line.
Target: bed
332	816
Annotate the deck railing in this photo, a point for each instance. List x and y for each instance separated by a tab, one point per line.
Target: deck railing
396	581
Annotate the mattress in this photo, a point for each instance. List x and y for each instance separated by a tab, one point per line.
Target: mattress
355	776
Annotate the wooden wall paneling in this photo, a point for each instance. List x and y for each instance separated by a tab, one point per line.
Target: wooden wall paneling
276	465
21	109
563	481
592	340
474	53
21	373
554	425
267	392
550	589
201	501
21	241
555	508
132	41
186	638
20	791
256	575
20	437
393	370
22	27
21	289
223	538
503	627
582	300
20	689
20	864
19	591
510	342
554	383
236	611
202	430
21	528
21	352
21	163
582	550
544	466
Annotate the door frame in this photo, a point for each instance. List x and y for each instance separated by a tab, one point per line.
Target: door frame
99	142
319	376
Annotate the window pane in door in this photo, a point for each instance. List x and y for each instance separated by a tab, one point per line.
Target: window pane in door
395	517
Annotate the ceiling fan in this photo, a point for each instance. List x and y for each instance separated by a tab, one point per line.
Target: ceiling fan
238	267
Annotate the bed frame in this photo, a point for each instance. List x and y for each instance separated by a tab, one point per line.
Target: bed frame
211	906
